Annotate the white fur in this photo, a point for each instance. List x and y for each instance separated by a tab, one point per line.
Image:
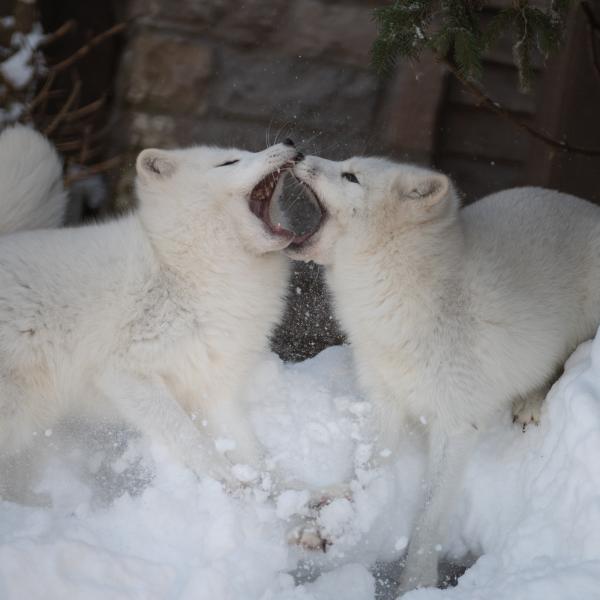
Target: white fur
452	314
31	189
163	313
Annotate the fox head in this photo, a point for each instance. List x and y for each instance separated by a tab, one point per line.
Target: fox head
369	200
191	193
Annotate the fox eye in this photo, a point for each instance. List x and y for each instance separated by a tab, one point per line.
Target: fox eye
350	177
229	162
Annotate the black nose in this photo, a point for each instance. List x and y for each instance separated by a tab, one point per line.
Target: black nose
288	142
299	156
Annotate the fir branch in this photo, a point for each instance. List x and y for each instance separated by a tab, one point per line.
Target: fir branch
451	30
453	27
485	101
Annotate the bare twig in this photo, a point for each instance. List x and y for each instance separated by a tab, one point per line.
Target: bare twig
85	145
85	49
56	121
42	94
485	101
65	28
100	167
86	110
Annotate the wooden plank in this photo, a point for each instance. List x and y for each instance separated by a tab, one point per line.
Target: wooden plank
480	134
475	178
500	82
571	94
409	115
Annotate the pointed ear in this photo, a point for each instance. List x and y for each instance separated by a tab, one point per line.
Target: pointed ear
427	189
156	164
425	195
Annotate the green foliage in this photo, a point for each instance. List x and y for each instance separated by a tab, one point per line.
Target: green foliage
401	32
461	31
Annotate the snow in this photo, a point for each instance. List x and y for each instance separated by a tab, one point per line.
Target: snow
19	68
109	515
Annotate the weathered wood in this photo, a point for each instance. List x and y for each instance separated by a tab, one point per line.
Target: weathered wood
410	114
500	82
569	109
476	178
478	133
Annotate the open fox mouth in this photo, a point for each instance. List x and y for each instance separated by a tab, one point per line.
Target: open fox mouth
286	212
312	198
264	193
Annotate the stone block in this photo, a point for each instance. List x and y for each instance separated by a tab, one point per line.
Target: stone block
336	32
196	13
330	97
251	23
167	73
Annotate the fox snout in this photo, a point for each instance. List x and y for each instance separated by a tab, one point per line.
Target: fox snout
299	155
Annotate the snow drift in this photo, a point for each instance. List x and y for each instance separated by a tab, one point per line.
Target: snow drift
95	512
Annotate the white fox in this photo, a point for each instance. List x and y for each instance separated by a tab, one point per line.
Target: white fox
163	312
452	314
31	189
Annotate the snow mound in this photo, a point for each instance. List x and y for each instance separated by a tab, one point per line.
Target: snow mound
96	512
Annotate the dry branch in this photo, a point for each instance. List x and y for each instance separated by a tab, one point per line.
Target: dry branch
57	120
96	169
59	33
85	49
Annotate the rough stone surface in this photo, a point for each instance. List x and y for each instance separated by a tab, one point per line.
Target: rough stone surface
252	22
247	74
326	96
341	32
168	73
198	13
150	130
246	23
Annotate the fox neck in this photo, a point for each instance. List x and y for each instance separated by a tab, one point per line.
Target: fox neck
394	290
216	278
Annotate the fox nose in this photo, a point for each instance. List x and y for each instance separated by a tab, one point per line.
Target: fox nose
299	156
288	142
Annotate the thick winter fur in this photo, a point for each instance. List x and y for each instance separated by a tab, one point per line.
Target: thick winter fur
452	314
163	312
31	189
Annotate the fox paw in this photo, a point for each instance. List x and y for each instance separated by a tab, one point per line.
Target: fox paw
527	411
309	534
309	537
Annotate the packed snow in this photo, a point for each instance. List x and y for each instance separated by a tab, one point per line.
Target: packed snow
96	512
20	68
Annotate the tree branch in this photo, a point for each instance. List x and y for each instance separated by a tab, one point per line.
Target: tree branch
495	107
65	108
85	49
65	28
100	167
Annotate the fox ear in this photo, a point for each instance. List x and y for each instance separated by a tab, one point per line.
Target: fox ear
427	190
154	163
425	195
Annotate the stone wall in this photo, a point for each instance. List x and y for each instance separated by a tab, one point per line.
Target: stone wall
242	72
247	73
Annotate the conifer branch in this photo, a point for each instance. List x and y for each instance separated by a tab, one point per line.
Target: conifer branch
485	101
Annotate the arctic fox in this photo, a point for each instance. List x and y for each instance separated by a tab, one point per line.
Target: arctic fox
452	314
162	313
31	189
